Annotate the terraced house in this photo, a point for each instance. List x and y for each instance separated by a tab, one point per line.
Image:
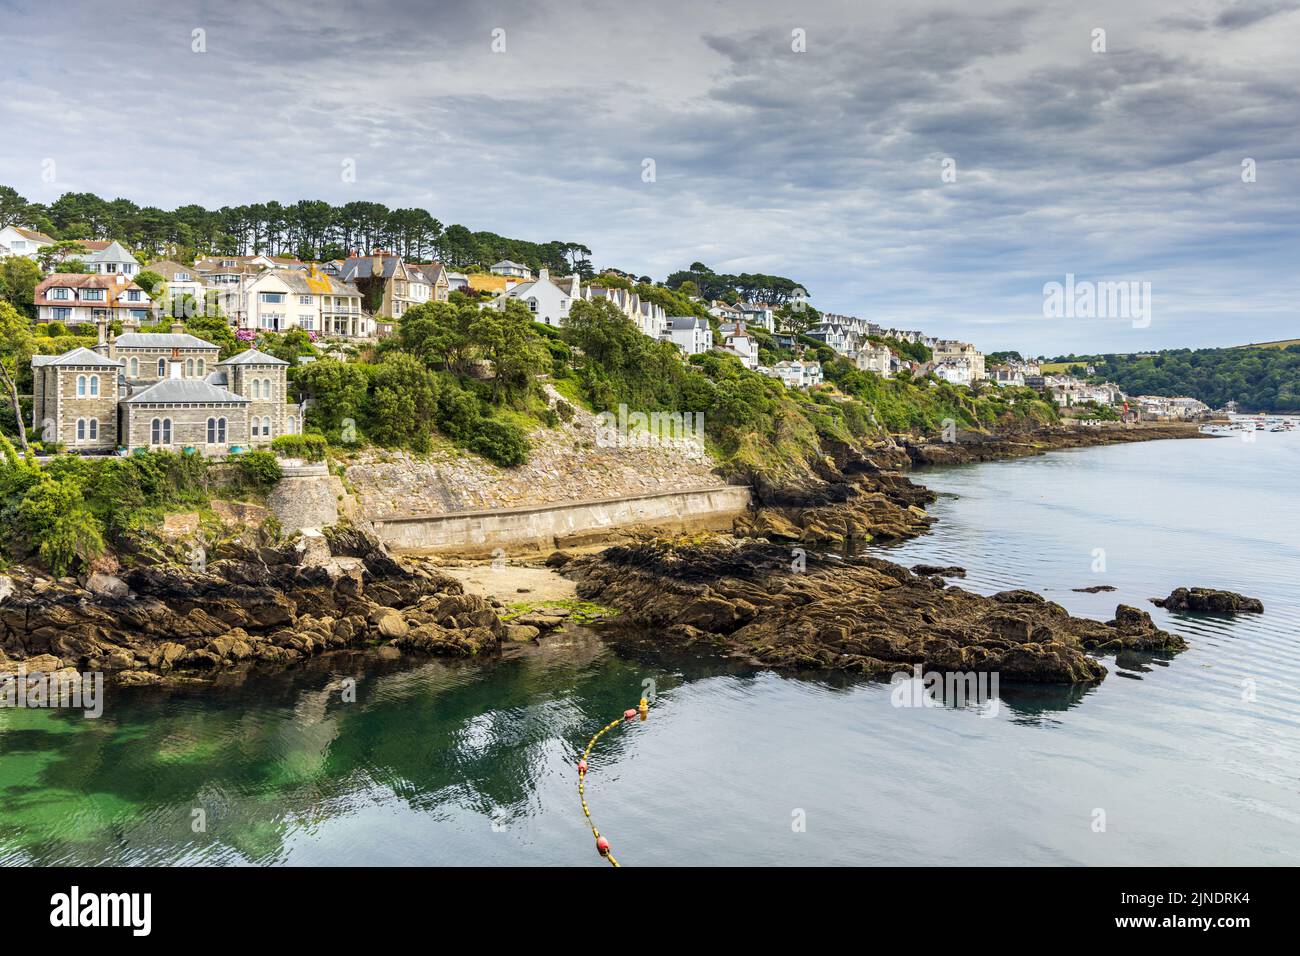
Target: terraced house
160	390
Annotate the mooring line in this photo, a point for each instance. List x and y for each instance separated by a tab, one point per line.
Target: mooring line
642	710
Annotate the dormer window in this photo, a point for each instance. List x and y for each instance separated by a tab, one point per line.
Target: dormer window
60	293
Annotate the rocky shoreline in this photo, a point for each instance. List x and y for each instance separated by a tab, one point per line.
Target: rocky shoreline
275	605
251	605
858	613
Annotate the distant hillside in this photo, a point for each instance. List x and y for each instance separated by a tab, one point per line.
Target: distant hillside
1264	378
1280	344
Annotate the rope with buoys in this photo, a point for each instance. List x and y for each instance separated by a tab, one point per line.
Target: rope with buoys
602	845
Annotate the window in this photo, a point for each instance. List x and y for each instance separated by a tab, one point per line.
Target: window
81	429
256	388
61	315
291	425
532	305
94	386
267	392
162	368
307	323
94	429
93	295
216	431
304	300
266	427
134	367
160	431
132	295
81	386
182	277
189	368
203	366
59	293
273	297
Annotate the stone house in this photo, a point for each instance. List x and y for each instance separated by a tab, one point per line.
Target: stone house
387	285
169	392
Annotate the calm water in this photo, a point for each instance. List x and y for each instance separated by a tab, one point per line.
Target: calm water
1192	760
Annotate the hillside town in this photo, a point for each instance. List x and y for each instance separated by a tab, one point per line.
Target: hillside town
138	389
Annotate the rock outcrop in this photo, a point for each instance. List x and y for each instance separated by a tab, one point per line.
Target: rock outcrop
250	604
1209	601
858	614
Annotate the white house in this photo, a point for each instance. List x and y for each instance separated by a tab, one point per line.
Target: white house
957	372
178	281
24	242
107	257
872	357
548	301
75	298
739	343
798	374
758	315
507	268
689	333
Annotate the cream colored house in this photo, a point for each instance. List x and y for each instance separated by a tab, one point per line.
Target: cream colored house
277	300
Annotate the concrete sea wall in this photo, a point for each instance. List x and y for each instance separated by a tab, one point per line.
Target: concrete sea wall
563	524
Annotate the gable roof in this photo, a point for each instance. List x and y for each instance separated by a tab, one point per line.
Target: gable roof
33	235
252	357
162	340
79	356
179	390
167	268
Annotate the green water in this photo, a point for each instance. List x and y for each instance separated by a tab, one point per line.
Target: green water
447	762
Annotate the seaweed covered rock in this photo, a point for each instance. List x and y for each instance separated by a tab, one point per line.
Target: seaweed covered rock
1209	601
858	613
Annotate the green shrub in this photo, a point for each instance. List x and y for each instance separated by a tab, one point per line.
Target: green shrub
459	412
500	442
259	469
307	447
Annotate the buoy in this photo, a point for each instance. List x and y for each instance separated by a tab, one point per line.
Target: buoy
602	846
629	714
582	768
644	708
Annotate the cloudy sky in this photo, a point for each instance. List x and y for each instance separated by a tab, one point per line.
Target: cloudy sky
825	165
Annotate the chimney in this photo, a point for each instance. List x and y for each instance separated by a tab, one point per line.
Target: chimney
377	265
543	274
178	328
174	366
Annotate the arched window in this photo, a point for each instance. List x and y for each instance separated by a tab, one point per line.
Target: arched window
291	425
81	429
94	429
257	389
135	368
81	386
212	431
189	368
162	368
155	432
221	430
203	367
94	386
167	431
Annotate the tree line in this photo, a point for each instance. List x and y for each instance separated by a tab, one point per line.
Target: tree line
306	229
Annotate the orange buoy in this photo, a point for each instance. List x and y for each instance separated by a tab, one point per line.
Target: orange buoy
602	846
629	714
582	767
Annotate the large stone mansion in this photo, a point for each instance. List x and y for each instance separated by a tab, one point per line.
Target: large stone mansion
160	390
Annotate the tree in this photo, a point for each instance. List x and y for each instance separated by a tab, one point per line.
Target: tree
404	403
148	280
19	277
438	334
338	392
14	209
508	340
16	347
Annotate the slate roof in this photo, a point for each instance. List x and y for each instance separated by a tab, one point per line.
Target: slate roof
81	356
162	340
252	357
179	390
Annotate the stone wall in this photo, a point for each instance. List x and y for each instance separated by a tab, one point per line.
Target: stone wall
311	501
567	464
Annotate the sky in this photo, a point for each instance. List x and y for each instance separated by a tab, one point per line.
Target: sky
924	165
